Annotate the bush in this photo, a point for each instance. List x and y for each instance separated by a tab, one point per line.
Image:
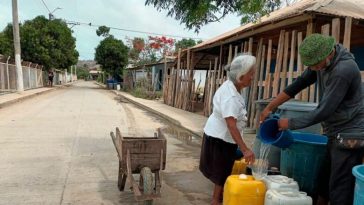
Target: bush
143	90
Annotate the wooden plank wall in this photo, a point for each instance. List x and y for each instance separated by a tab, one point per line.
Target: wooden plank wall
179	85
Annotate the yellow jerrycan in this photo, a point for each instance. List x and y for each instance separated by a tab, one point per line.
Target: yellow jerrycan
243	190
239	167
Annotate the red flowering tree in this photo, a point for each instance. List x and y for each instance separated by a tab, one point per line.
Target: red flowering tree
143	51
162	45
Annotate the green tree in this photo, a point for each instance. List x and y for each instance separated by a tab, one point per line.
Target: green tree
48	43
6	41
197	13
103	31
112	55
184	43
82	72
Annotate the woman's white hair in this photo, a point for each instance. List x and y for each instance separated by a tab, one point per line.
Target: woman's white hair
240	66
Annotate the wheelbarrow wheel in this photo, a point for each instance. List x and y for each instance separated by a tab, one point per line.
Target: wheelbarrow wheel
146	183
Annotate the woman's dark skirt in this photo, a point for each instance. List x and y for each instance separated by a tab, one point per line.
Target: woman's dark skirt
217	159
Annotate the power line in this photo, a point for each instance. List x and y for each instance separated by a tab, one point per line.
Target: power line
46	6
128	30
74	23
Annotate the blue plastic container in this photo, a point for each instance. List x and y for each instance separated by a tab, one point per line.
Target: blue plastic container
303	159
358	172
269	133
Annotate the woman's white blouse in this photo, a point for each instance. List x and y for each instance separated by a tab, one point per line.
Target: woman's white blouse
227	102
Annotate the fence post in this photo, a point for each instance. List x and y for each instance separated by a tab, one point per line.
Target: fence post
7	72
65	76
29	78
36	78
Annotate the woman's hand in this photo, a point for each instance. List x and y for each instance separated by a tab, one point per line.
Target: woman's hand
249	156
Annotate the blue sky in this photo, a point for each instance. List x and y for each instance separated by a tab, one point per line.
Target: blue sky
127	14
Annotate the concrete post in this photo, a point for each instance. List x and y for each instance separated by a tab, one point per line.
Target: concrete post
2	78
19	71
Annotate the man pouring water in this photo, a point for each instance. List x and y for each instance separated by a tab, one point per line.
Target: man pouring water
340	111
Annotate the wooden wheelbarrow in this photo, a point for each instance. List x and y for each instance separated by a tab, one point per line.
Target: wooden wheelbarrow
144	156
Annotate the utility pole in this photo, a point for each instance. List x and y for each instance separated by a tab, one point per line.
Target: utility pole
19	70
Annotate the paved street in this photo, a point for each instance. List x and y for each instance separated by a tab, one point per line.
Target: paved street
56	149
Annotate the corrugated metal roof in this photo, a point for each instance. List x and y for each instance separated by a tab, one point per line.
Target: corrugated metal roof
350	8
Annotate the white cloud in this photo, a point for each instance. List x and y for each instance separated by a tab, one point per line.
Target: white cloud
130	14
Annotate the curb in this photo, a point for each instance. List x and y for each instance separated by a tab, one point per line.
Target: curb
165	117
159	114
14	101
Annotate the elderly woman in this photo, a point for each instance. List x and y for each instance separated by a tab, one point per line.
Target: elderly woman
224	128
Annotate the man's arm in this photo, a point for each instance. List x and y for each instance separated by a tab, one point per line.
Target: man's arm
307	78
332	98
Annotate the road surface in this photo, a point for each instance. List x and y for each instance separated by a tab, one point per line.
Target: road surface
56	149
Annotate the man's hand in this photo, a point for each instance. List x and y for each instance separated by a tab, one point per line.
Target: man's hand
283	124
264	115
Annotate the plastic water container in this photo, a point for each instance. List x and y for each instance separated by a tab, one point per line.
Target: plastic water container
302	160
243	189
293	108
358	172
280	182
286	197
239	167
269	133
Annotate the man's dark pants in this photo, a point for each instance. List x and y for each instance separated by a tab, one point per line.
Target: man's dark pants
336	181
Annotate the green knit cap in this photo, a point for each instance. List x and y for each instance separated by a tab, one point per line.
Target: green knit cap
316	48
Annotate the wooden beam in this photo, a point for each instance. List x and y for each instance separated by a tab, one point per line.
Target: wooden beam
325	29
175	89
261	74
207	92
285	61
299	61
267	70
242	48
250	48
335	30
213	85
187	96
347	32
236	51
230	55
221	71
246	44
278	66
292	57
310	30
255	86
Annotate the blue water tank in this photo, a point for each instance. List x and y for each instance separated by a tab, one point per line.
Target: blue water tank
358	172
303	159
